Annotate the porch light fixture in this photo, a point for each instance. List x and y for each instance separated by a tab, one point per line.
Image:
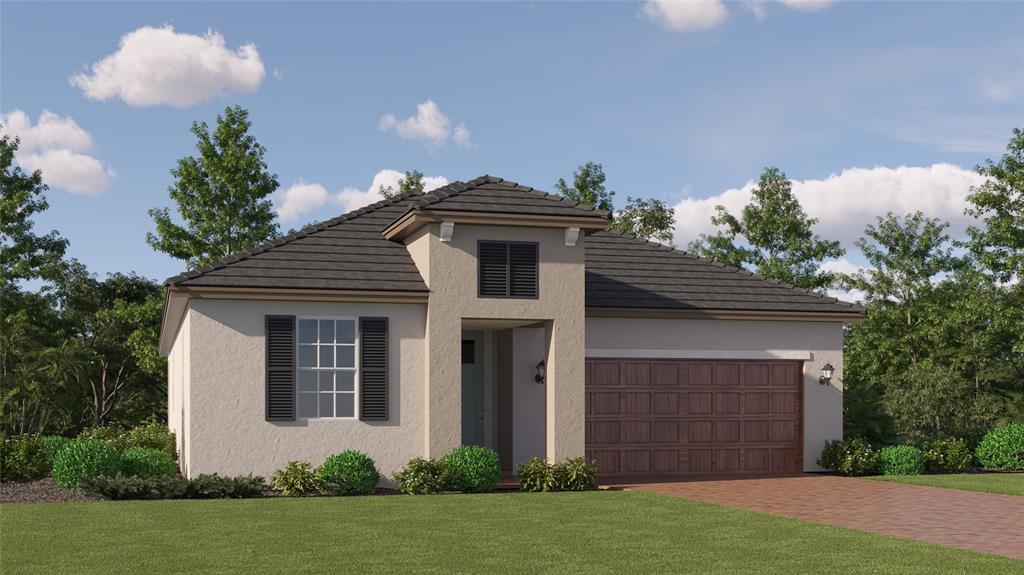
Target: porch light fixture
540	377
572	235
826	374
447	230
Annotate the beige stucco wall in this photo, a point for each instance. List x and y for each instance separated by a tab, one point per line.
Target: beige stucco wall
817	343
178	370
450	271
528	398
228	433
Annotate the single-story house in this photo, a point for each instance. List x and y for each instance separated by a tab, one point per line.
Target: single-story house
490	313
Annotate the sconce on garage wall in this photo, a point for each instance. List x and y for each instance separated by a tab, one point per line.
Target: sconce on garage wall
541	376
826	374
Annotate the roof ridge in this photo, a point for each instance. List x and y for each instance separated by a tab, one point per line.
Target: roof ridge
684	253
445	192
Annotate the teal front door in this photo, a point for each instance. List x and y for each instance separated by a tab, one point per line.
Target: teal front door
472	388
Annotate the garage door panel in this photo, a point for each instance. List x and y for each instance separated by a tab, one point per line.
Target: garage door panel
693	416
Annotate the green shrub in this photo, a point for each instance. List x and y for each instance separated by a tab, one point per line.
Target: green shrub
948	455
901	460
348	473
1003	448
52	444
112	436
84	459
471	468
134	487
421	477
213	486
536	475
852	456
22	457
148	462
575	475
153	436
295	479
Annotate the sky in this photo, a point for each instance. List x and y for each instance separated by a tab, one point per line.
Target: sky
868	107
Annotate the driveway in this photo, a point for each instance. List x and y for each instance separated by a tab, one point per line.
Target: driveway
987	522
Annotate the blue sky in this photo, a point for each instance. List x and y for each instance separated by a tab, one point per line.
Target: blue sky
867	106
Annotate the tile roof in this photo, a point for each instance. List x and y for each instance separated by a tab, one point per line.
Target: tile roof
490	194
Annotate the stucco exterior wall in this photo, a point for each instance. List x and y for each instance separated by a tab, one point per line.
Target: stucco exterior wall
178	370
528	398
228	432
817	343
450	272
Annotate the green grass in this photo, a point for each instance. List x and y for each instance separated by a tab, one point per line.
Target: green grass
1006	483
596	532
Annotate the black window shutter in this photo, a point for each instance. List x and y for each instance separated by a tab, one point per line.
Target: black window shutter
280	368
373	368
493	268
522	266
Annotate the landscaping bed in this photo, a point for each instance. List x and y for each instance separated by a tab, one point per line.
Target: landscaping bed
41	491
1007	483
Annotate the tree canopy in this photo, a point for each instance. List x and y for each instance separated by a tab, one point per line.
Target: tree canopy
587	187
646	219
411	183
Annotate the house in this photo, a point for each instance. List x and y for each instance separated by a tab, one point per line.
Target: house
490	313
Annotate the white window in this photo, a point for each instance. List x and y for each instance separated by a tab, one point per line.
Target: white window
327	372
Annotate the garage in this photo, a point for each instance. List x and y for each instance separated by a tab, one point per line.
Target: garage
649	417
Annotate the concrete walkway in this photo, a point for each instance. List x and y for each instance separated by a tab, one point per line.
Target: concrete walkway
986	522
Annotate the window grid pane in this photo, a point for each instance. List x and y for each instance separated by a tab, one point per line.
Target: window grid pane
327	368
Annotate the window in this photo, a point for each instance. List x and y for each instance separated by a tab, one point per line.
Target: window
507	269
327	368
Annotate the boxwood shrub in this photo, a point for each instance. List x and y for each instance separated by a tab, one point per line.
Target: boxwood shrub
148	462
213	486
122	486
901	460
1003	448
85	459
421	477
853	456
52	444
348	473
471	468
948	455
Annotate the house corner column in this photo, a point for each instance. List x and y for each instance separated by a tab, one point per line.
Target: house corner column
565	403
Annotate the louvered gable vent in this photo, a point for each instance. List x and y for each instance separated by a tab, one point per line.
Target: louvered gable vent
508	269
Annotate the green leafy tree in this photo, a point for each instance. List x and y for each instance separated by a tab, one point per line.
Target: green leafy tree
587	187
999	202
772	236
222	195
933	400
646	219
411	183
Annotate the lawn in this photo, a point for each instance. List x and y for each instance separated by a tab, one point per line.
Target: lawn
597	532
1006	483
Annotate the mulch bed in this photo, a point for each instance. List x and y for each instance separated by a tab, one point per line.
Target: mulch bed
41	491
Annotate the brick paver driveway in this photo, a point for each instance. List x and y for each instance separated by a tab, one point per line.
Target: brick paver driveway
980	521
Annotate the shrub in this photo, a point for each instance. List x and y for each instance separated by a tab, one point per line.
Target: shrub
471	468
84	459
213	486
421	477
1003	447
52	444
852	456
575	475
901	460
348	473
536	475
123	486
295	479
152	436
148	462
112	436
22	457
948	455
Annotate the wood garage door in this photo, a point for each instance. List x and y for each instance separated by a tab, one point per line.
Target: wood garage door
661	417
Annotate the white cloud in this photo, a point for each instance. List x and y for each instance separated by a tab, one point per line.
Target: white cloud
429	126
844	266
757	8
808	5
58	147
154	66
686	15
278	74
302	198
845	203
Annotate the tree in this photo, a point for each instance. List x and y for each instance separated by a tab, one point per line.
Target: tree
777	237
646	219
933	400
587	187
412	183
222	195
23	254
999	202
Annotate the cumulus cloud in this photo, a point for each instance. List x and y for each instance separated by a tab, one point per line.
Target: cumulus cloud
845	203
808	5
58	147
154	66
844	266
686	15
302	198
429	126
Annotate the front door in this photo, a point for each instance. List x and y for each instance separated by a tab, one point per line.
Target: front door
472	388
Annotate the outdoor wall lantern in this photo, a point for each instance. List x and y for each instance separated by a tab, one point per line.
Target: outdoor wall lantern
447	230
826	374
540	377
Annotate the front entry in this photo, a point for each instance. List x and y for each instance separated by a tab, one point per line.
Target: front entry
473	395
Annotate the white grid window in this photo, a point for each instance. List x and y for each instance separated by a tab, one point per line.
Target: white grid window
327	368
